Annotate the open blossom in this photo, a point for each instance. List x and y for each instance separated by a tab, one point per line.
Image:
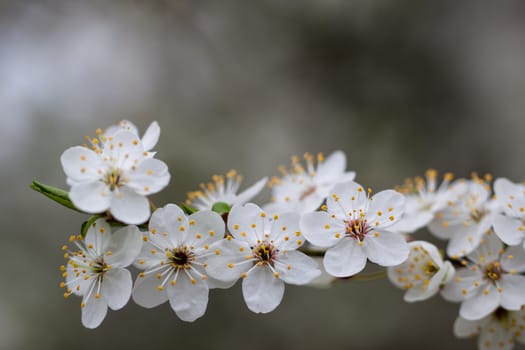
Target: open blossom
303	189
490	279
149	139
224	189
96	271
262	250
467	217
510	224
497	331
173	259
355	227
423	273
423	200
116	174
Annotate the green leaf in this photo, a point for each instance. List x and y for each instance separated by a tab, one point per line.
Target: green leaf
188	209
87	224
57	194
221	207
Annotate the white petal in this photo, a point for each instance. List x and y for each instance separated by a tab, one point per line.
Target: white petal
145	292
321	229
262	291
332	167
149	177
248	194
151	136
125	148
81	164
489	249
125	245
206	227
98	236
345	259
129	207
482	304
116	288
245	221
463	286
386	248
188	300
386	207
90	197
510	230
411	222
122	125
464	241
229	260
512	291
495	336
513	259
297	268
465	328
94	311
171	220
349	196
286	232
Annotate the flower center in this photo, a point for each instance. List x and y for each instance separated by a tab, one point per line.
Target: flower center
265	252
100	266
113	179
493	271
477	214
180	257
357	228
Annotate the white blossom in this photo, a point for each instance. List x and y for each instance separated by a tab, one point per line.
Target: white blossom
489	279
224	189
116	174
173	260
423	199
510	224
465	219
96	271
262	250
355	227
497	331
423	273
303	189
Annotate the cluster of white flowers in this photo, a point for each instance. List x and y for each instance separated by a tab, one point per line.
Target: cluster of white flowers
219	236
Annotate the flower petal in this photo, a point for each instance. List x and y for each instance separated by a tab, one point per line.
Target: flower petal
145	292
244	222
512	295
94	311
230	260
345	259
262	291
386	248
513	259
386	208
480	305
321	229
116	288
285	231
98	236
149	177
188	297
81	164
90	197
151	136
205	228
124	247
463	286
168	226
509	229
129	207
297	268
345	198
495	336
252	191
465	328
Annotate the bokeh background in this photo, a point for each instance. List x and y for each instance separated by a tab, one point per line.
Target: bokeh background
400	86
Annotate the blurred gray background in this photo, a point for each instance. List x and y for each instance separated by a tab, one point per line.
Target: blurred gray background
400	86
